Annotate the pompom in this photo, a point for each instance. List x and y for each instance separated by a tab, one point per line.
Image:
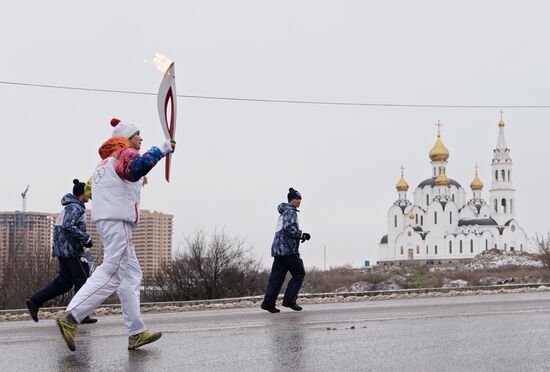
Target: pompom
114	122
76	182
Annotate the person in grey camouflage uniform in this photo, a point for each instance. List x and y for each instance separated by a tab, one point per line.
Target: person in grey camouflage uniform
286	256
70	241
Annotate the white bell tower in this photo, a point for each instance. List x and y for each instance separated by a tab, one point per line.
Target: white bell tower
502	193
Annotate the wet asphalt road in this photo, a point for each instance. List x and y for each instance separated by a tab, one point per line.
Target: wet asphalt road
476	333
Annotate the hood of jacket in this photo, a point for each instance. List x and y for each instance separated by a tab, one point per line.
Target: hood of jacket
284	207
69	199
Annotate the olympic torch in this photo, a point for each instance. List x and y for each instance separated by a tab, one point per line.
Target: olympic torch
167	103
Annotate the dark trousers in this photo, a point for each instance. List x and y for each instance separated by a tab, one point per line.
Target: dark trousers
72	271
282	265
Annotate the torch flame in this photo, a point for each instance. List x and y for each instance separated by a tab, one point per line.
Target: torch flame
162	62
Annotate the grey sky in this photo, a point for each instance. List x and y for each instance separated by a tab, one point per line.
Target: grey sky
235	160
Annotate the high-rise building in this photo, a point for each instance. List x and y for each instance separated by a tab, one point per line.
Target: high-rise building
152	238
25	235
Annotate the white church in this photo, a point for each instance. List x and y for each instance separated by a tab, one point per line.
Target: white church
442	224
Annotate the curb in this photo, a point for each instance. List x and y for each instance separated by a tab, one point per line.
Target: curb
148	305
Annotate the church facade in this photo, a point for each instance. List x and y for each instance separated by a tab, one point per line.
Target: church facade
444	223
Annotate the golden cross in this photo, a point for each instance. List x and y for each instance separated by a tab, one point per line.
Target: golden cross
501	112
476	167
402	169
439	125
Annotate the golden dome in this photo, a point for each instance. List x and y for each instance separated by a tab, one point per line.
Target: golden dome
501	122
442	179
439	152
476	183
402	185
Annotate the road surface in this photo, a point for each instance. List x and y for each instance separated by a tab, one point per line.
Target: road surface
505	332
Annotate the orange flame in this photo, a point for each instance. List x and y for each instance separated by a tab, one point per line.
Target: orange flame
162	62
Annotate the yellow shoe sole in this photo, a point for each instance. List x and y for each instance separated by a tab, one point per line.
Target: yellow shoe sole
152	339
68	340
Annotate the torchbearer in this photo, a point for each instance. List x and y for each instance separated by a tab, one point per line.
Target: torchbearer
116	190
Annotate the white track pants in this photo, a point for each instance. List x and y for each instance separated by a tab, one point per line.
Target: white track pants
119	272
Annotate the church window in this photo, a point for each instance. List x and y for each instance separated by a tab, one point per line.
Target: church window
395	220
461	246
401	249
503	172
496	175
495	203
505	246
521	247
453	197
450	247
451	218
471	246
421	220
503	202
509	176
427	200
417	249
435	249
511	200
486	244
416	217
435	218
427	250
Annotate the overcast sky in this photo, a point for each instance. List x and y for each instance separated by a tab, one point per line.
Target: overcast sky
235	160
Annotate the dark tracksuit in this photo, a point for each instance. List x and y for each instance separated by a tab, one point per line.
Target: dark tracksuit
286	258
69	237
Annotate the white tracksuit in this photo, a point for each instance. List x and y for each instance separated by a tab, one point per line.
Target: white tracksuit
115	208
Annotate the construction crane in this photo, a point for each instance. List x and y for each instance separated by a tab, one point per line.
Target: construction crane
24	196
24	215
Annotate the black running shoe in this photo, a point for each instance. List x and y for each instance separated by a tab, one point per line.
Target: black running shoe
272	309
88	320
293	307
33	309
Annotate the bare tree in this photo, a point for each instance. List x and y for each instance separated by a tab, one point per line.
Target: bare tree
543	246
210	266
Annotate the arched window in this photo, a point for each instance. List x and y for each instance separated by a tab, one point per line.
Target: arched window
427	250
509	179
505	246
435	218
503	202
471	246
450	247
435	249
427	200
417	249
496	175
416	216
503	173
486	244
521	247
461	246
495	203
511	210
451	218
401	249
421	220
453	197
395	220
